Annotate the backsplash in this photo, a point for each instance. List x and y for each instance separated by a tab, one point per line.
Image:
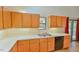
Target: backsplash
28	31
56	30
20	31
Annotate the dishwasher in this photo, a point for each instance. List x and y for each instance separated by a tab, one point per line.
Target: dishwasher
59	42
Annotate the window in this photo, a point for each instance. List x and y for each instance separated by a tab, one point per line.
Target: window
42	22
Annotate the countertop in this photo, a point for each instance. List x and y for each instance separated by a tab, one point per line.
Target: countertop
7	42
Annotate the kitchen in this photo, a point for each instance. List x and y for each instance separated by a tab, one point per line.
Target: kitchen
21	31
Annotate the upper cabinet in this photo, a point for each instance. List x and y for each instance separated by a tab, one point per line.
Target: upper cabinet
30	20
59	21
64	18
16	20
52	21
56	21
1	21
26	20
6	18
11	19
35	20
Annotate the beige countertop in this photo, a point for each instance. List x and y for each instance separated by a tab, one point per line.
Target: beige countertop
6	42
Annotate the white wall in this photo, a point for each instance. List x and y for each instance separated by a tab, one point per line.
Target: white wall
70	11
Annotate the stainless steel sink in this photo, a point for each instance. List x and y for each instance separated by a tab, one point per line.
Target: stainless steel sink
45	34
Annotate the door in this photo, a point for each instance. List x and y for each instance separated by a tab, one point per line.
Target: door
72	29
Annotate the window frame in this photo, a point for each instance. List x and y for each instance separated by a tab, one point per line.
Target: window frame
43	23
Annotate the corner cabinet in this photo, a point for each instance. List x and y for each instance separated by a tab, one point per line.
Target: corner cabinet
15	47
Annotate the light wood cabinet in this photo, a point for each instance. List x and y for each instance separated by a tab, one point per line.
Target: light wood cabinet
26	20
6	18
23	46
59	21
16	20
1	21
52	21
34	45
64	18
56	21
35	22
14	48
51	44
43	45
66	43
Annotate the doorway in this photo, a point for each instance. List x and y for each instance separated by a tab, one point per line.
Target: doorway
72	29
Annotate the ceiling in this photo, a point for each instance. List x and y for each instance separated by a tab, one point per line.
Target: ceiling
70	11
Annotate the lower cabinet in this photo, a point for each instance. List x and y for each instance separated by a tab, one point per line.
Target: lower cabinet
39	45
43	45
51	44
34	45
14	48
23	46
66	43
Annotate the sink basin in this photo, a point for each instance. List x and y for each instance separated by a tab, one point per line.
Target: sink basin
44	34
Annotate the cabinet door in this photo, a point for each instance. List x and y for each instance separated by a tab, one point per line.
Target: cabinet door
59	21
49	21
23	46
14	48
43	45
26	20
66	43
1	21
35	21
64	18
53	21
51	44
34	45
16	20
6	18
